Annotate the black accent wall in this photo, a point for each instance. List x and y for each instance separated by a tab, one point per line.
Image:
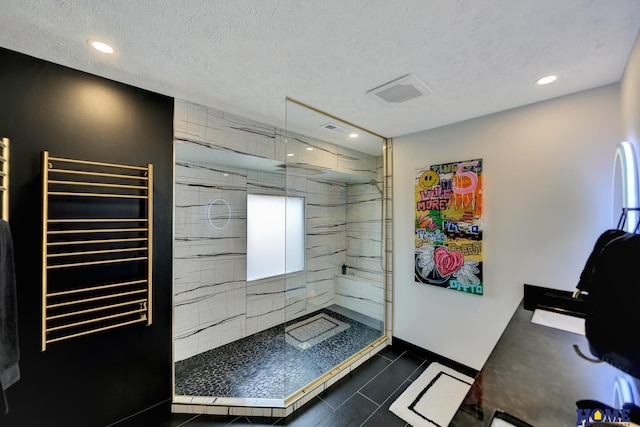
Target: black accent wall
107	377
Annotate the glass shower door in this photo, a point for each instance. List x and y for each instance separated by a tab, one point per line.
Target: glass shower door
334	306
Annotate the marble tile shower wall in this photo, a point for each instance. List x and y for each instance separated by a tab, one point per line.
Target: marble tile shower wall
210	292
216	129
326	240
213	303
364	231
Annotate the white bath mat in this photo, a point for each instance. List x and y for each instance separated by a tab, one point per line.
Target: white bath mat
314	330
558	321
433	398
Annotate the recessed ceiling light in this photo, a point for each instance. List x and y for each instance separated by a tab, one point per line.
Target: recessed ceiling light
290	154
546	80
353	135
309	148
102	47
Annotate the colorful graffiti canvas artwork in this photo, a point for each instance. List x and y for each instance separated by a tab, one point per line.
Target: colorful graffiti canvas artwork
448	239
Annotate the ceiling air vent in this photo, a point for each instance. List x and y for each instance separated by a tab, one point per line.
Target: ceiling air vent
332	127
399	90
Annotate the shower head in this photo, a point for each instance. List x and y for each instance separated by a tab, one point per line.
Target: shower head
375	183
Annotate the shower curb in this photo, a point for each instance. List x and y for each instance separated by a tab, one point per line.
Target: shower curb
275	408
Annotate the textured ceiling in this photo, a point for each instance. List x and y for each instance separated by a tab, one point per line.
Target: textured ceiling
246	56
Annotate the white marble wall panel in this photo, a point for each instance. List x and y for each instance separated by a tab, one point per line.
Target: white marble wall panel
309	151
223	130
296	186
356	163
265	303
206	319
209	263
266	183
217	129
364	231
207	315
360	295
326	240
320	291
380	168
296	295
189	120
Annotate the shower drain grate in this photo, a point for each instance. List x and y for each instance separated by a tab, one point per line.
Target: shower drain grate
307	333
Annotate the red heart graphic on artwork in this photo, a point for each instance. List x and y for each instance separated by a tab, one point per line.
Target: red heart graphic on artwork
447	262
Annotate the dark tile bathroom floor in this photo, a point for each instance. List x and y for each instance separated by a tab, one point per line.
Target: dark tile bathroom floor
362	398
255	366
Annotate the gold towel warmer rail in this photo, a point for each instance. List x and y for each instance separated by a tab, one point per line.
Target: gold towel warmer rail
89	248
4	177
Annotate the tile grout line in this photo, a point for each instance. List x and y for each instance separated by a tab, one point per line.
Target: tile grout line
326	403
390	360
372	378
188	421
397	388
370	400
358	390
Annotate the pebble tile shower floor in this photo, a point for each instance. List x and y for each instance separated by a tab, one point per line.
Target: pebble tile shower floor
255	366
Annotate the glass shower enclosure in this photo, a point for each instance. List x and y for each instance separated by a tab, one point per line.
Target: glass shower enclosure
279	278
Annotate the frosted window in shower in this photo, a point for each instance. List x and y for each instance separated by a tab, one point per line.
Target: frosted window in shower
275	235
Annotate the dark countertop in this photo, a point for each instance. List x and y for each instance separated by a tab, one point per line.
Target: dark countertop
534	374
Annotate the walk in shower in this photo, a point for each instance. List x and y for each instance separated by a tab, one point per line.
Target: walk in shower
279	266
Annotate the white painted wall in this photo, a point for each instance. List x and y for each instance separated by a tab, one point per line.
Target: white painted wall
630	94
547	197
